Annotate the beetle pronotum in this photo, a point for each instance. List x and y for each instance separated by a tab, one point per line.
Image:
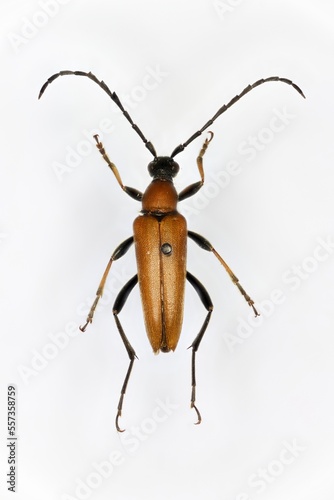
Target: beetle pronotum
160	237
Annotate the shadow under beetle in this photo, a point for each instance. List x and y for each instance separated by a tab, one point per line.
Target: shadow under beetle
160	237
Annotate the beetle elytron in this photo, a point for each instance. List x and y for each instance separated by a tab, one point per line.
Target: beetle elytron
160	237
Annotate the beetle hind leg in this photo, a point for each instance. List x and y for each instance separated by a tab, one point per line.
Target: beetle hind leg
118	306
206	301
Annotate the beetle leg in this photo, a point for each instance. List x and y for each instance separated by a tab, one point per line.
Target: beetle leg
193	188
206	245
206	301
118	306
134	193
119	252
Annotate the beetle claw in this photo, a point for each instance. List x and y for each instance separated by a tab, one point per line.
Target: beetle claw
198	414
255	311
211	136
116	422
83	328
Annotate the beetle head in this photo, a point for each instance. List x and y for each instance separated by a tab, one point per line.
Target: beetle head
163	167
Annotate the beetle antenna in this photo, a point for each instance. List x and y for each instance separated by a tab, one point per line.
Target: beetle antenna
112	96
222	110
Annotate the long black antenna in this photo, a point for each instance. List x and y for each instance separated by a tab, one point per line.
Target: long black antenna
147	143
112	95
222	110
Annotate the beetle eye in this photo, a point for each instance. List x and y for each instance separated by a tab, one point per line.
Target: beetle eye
174	168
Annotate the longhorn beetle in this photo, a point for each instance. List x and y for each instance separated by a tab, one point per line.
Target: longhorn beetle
160	237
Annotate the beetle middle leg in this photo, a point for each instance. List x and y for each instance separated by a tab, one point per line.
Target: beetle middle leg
206	301
119	252
118	306
206	245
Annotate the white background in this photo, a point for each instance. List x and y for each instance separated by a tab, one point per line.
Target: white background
264	386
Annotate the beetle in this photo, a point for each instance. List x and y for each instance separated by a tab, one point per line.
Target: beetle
160	239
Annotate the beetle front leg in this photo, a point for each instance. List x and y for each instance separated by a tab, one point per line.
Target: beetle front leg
132	192
118	306
119	252
193	188
206	301
206	245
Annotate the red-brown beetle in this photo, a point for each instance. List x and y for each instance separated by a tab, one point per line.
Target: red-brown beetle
160	237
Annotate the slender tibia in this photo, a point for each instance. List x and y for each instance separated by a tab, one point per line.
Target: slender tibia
206	245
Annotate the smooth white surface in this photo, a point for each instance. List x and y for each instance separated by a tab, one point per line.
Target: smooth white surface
262	387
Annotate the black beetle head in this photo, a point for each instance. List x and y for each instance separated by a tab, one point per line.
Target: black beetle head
163	167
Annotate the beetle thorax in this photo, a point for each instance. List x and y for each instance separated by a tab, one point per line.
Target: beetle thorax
160	197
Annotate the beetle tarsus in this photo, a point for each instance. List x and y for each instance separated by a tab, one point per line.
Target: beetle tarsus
92	309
